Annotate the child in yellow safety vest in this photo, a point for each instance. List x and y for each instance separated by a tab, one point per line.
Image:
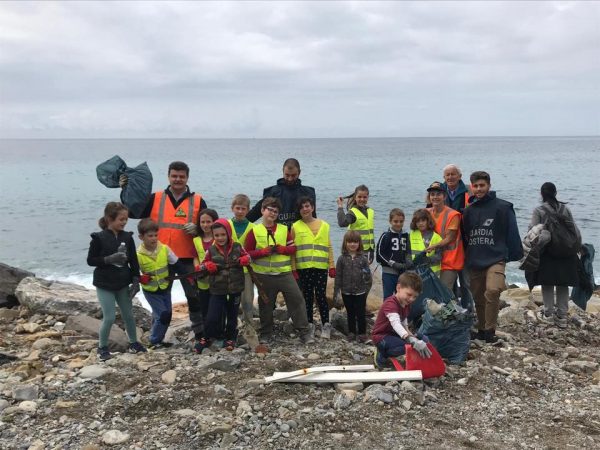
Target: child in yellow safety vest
157	261
313	261
199	307
421	238
359	217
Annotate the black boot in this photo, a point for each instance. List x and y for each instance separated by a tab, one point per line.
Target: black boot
490	336
477	335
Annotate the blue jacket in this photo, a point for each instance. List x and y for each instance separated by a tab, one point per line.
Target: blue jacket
393	247
458	203
491	232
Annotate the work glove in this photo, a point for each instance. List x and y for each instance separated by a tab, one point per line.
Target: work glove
145	278
420	346
191	229
211	267
371	256
296	275
244	260
332	272
134	288
117	258
123	180
282	250
264	252
398	266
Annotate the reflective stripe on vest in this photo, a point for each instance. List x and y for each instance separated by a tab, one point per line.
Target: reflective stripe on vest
157	268
453	255
201	282
273	263
365	227
417	245
170	222
312	251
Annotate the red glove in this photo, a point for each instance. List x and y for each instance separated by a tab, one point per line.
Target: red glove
283	250
332	272
244	260
264	252
296	276
197	268
145	278
211	267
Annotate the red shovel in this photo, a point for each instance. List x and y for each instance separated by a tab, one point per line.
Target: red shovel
431	367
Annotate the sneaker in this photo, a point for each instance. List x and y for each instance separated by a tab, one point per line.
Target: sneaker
351	337
307	338
543	318
160	345
560	322
311	329
103	353
136	347
229	345
326	331
200	345
362	338
378	359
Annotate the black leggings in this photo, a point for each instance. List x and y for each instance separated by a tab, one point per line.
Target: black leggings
356	309
313	283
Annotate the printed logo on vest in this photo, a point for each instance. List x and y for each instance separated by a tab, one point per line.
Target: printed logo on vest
180	213
488	222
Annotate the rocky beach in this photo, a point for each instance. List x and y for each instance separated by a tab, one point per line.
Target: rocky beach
538	388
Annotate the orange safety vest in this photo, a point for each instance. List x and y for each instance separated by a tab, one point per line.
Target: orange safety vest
171	220
453	255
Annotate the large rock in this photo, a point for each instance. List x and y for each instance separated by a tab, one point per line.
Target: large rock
117	340
59	298
10	277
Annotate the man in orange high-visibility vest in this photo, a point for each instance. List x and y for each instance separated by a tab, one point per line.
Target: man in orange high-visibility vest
175	210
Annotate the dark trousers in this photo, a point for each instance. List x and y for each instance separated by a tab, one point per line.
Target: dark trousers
356	310
194	300
313	283
389	281
393	345
221	307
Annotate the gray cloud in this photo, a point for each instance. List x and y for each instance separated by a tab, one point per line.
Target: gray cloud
261	69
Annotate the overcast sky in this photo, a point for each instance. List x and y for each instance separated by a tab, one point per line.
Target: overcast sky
305	69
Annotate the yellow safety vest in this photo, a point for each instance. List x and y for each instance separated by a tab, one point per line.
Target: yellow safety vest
157	268
242	239
311	251
202	282
275	263
417	246
365	227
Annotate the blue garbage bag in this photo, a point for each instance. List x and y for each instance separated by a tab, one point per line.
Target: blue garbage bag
136	193
450	335
432	288
582	293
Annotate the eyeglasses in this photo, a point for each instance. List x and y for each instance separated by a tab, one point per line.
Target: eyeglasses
272	210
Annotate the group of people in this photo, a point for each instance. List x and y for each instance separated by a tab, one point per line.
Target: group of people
464	235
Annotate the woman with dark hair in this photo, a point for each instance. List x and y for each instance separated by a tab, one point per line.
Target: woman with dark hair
554	272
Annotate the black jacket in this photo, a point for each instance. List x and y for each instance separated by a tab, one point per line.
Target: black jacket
491	232
108	276
288	195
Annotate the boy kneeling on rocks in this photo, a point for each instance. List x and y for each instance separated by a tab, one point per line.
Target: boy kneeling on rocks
390	333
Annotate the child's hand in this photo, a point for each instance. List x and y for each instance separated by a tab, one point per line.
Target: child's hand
145	278
332	272
211	267
244	260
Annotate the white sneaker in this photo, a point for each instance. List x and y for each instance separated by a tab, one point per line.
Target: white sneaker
326	331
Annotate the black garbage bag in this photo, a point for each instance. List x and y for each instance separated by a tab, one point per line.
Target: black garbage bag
139	182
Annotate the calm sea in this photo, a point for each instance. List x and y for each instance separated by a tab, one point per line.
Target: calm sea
53	199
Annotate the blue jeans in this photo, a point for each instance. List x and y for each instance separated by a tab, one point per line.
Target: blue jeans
161	314
393	345
389	281
220	307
